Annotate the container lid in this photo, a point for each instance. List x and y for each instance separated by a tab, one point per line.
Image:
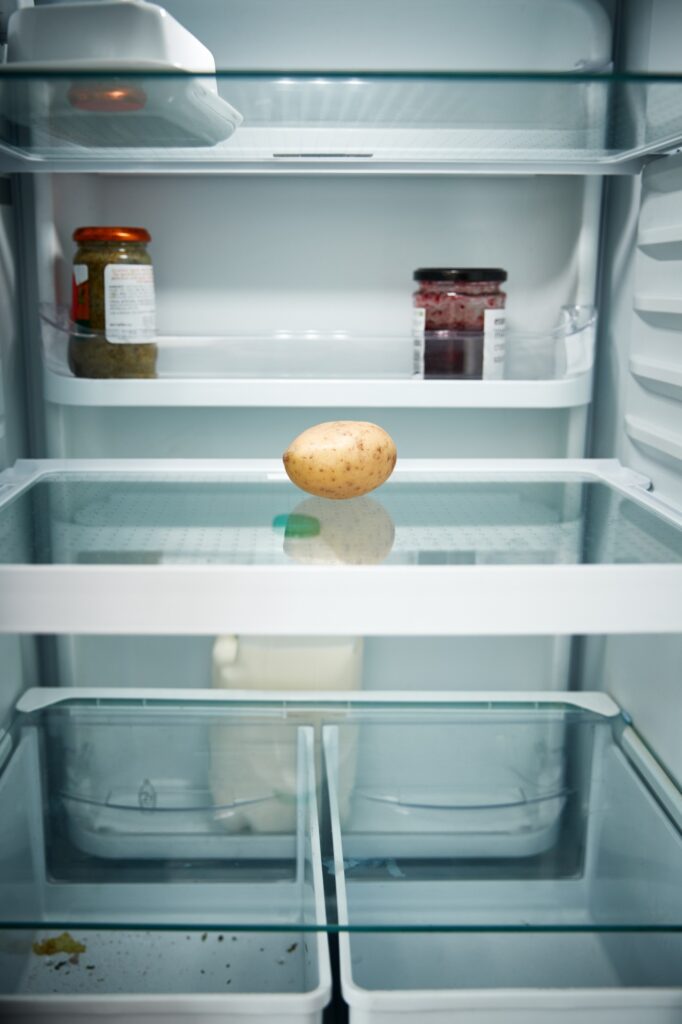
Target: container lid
460	274
111	234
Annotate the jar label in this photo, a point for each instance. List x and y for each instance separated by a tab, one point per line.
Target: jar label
80	295
129	307
418	330
494	343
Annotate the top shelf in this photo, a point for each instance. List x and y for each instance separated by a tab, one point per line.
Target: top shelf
118	119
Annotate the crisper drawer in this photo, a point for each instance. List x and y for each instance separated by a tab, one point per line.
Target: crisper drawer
505	861
159	858
468	548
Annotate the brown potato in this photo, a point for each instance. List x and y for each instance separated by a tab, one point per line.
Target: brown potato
341	459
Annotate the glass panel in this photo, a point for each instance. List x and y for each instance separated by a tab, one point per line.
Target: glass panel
132	816
503	819
165	816
107	518
355	119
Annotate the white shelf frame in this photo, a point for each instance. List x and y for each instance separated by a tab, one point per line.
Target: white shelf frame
392	600
381	393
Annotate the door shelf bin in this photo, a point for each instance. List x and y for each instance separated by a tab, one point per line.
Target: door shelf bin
366	369
135	827
524	861
443	548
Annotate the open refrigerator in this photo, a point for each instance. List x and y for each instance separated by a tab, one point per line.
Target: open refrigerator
422	763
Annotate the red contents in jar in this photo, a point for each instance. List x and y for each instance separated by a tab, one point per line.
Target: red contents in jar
454	301
457	306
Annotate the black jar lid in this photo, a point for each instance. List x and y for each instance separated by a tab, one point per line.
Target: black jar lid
460	274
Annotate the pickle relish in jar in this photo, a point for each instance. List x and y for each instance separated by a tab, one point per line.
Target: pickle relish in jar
113	307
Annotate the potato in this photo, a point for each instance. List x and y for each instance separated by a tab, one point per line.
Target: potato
355	532
341	459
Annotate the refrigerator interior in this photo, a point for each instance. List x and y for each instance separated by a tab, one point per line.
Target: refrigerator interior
283	256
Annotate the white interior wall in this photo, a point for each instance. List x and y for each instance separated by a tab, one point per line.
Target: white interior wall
91	433
260	254
389	663
399	34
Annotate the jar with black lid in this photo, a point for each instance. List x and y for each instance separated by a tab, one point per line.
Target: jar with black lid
456	310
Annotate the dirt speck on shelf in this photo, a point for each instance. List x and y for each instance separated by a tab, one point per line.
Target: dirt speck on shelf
292	947
64	943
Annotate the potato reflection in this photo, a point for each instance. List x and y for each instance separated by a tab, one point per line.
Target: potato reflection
358	531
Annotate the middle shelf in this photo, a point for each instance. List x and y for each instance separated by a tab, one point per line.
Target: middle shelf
444	548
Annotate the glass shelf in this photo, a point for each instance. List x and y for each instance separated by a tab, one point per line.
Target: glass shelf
503	819
578	122
197	812
238	545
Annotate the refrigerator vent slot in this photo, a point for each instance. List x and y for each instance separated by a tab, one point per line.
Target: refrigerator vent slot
323	156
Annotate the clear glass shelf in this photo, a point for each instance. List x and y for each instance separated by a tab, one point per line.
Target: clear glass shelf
580	121
198	814
262	519
167	815
501	818
443	548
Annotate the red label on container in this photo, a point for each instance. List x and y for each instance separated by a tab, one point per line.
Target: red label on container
80	295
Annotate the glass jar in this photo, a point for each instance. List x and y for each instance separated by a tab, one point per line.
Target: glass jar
113	307
450	307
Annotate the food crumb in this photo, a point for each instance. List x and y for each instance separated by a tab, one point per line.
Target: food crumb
63	943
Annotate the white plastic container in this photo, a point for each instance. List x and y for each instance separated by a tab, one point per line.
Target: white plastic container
187	945
511	979
135	107
124	32
272	665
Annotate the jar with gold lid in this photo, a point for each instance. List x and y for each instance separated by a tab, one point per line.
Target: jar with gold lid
113	307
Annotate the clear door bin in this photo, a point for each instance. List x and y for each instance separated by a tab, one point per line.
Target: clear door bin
523	862
125	885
